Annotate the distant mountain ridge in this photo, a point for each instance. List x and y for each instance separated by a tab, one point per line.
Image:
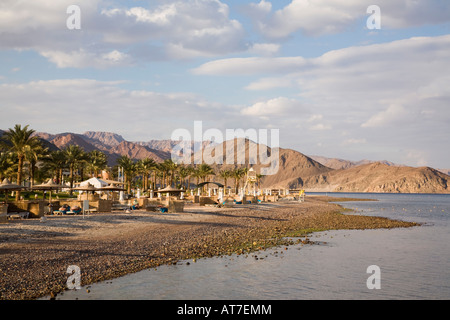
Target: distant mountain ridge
103	139
113	145
379	177
296	170
336	163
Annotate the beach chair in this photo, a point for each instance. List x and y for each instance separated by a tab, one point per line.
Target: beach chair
18	215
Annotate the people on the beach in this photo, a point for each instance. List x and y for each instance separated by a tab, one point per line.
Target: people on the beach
76	210
135	205
64	209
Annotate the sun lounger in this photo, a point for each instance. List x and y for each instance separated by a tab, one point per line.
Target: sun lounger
18	215
117	206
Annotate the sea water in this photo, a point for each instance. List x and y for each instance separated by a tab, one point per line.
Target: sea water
414	263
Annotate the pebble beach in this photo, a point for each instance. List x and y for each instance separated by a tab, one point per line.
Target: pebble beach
35	254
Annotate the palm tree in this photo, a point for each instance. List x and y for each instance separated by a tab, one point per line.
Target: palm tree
20	139
74	156
7	165
171	168
96	161
146	166
258	179
56	162
197	174
129	168
158	174
237	174
225	174
205	171
190	171
184	172
164	171
34	154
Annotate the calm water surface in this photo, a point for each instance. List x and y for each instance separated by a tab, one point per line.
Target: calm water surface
414	263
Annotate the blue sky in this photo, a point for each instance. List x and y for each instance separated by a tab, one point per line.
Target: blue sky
310	68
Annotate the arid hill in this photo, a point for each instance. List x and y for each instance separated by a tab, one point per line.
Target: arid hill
168	145
136	151
112	144
336	163
379	177
103	140
65	139
291	163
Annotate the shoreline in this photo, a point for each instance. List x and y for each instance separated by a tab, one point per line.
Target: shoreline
36	255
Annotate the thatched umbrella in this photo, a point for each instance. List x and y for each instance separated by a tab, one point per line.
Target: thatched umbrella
171	191
6	186
49	186
87	188
112	188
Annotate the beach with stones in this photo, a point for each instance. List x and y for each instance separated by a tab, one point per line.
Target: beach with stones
35	254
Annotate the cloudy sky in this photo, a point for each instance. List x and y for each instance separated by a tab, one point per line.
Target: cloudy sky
311	68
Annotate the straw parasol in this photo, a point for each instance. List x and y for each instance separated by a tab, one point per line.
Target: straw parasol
6	186
87	188
50	186
112	188
171	191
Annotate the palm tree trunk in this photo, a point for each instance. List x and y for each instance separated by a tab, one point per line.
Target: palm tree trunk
60	175
19	176
128	183
71	179
32	170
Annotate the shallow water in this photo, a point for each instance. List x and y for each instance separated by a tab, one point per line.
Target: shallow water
413	262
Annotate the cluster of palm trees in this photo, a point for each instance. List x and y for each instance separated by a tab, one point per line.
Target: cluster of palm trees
23	153
150	175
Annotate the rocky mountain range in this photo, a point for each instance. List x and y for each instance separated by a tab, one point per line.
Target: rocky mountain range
296	170
335	163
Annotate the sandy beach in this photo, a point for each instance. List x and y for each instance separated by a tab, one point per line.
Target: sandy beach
35	254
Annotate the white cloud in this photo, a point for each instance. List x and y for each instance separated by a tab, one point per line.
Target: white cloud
315	117
320	127
262	7
264	49
274	107
319	17
180	29
418	157
354	141
250	66
82	104
270	83
394	93
84	59
364	76
393	113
